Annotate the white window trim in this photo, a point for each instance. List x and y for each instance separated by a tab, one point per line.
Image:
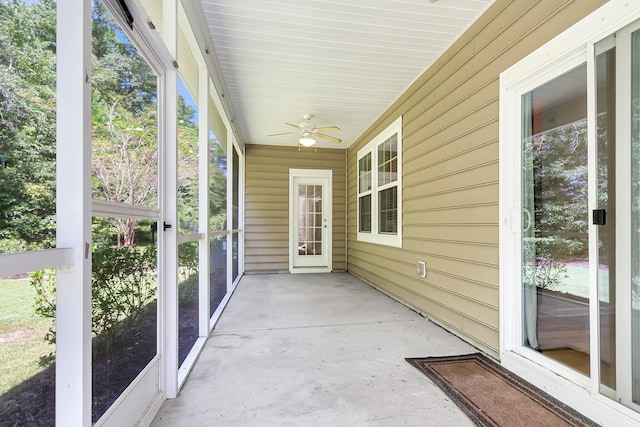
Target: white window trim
374	236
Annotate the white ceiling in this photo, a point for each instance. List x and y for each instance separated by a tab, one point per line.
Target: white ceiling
344	62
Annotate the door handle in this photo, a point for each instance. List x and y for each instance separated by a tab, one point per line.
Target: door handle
599	217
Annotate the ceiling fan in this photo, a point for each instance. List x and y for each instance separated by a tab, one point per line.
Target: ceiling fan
309	132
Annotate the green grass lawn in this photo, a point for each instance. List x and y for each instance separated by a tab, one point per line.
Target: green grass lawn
21	334
577	282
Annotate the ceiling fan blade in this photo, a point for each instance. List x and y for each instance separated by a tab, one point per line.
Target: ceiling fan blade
328	137
284	133
327	129
295	126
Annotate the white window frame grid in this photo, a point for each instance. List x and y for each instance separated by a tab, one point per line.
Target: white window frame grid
375	236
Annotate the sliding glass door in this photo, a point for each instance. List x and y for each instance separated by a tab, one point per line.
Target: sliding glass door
579	217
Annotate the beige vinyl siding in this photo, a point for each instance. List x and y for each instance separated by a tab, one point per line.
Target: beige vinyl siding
267	203
450	172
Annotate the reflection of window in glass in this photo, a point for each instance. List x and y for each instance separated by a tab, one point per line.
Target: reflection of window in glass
27	126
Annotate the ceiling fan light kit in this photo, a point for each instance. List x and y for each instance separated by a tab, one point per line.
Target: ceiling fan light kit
309	132
307	141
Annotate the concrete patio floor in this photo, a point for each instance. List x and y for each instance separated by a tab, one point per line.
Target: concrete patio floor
315	350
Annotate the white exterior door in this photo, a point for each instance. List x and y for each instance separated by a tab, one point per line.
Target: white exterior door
310	221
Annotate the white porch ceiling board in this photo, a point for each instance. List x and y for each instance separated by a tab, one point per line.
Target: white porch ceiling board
343	62
287	74
264	50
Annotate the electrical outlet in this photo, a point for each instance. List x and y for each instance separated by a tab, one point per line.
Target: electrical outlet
422	269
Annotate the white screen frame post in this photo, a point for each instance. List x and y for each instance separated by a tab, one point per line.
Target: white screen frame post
73	211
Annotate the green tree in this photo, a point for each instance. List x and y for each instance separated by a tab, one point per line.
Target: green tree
27	125
125	130
217	188
187	166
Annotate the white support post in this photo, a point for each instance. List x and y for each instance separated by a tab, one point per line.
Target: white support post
241	165
203	211
229	209
73	207
170	212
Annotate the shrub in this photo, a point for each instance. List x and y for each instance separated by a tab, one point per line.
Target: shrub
188	273
541	266
44	283
123	284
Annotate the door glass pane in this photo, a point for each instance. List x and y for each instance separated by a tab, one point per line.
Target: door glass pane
309	219
635	215
554	220
606	117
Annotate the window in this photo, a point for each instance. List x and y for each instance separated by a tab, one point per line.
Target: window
380	194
